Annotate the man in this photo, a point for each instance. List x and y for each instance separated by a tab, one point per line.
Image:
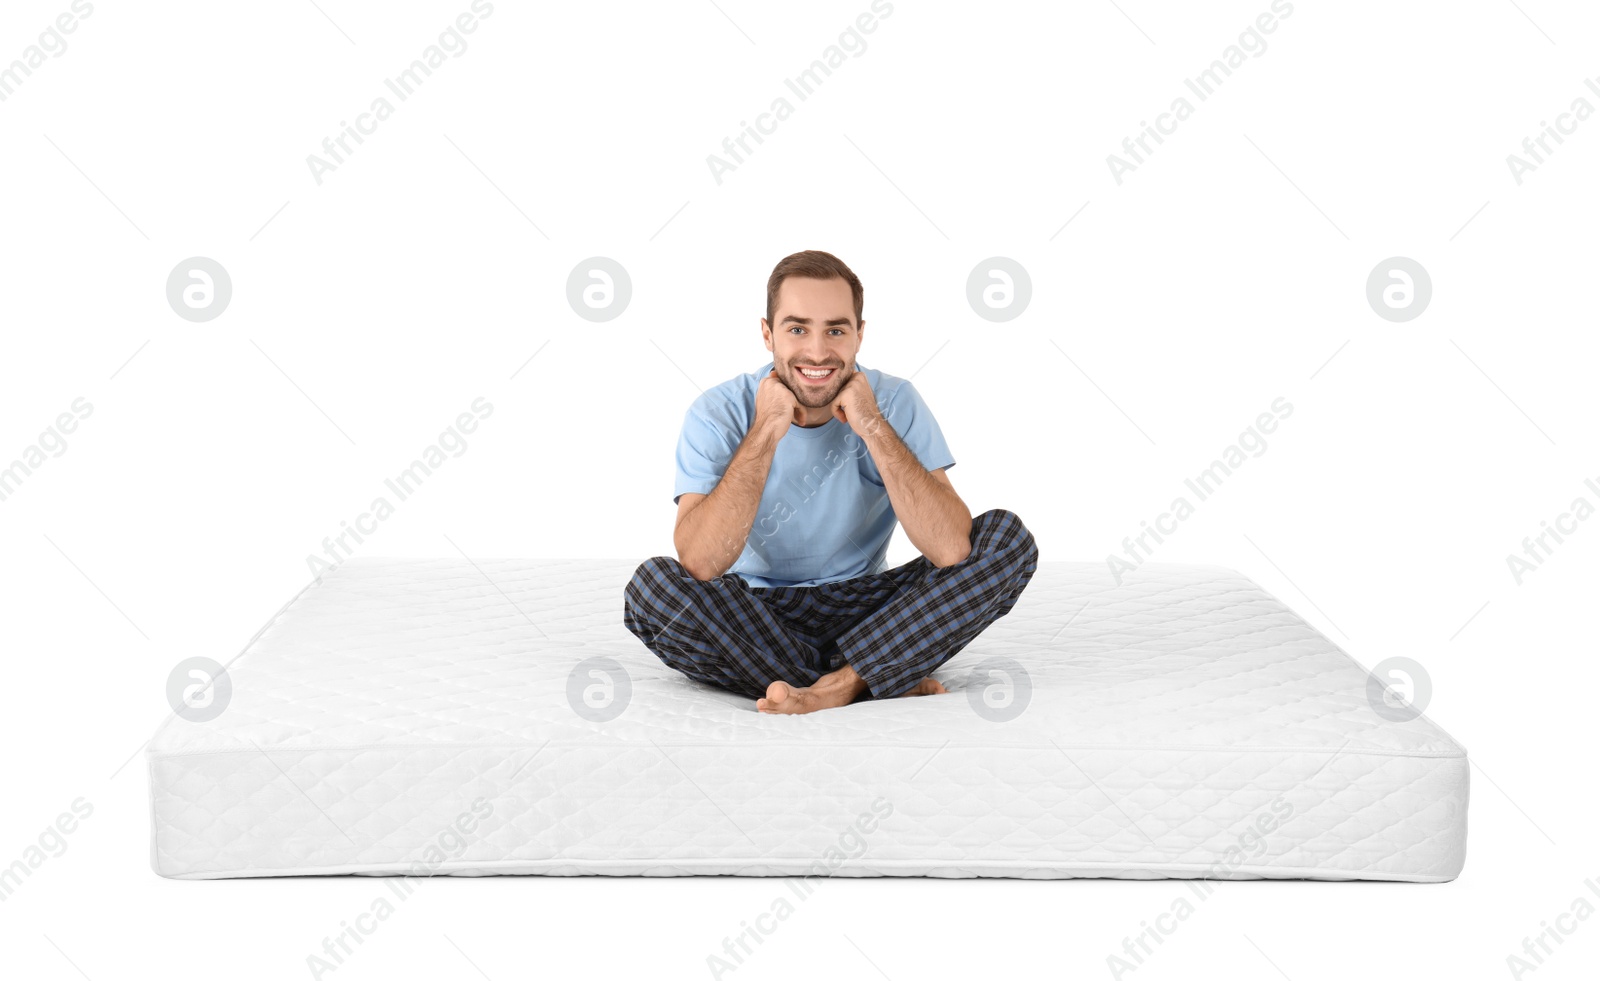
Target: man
790	481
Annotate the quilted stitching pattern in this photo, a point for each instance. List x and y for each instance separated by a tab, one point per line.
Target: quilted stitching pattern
1167	713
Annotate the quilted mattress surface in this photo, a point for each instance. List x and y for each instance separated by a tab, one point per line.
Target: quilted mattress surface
439	716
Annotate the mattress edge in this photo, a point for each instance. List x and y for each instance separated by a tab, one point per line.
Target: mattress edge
152	756
1460	750
172	716
802	868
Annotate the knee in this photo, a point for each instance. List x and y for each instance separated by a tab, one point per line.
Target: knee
1001	531
647	590
651	572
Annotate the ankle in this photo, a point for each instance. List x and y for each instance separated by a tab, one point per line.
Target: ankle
844	678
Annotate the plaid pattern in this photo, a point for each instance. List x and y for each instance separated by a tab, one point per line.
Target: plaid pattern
893	627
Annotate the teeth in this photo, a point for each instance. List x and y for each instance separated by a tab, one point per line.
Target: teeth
816	373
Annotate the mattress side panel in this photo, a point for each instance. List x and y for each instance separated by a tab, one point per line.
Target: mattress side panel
889	810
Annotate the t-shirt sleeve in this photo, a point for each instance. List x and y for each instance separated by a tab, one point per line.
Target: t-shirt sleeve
913	421
704	451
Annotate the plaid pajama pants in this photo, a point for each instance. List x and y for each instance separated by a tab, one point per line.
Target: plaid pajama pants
893	627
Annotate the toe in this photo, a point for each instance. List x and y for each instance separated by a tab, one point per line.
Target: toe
780	699
927	686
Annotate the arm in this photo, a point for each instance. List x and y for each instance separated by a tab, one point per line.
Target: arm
935	518
711	529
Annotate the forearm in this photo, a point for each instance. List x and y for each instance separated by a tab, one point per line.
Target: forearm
934	516
710	537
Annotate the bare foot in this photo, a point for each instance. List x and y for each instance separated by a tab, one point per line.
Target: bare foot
832	690
927	686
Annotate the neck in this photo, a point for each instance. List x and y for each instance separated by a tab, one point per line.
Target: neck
817	417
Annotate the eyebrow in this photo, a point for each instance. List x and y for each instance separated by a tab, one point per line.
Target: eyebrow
806	321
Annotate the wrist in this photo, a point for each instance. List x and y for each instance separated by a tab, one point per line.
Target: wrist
873	431
771	429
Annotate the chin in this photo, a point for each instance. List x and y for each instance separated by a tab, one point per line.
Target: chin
803	394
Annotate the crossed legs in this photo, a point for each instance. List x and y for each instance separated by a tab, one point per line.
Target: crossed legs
798	649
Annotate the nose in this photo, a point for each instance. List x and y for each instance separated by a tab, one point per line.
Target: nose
816	351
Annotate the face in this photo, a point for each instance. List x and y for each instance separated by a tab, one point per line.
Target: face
816	329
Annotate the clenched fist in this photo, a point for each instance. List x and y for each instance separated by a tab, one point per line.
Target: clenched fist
776	407
857	407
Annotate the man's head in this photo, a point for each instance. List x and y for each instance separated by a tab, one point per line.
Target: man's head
813	321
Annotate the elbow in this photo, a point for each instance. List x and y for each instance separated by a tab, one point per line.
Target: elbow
694	568
693	563
689	562
957	552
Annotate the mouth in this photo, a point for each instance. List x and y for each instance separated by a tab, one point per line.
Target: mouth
814	375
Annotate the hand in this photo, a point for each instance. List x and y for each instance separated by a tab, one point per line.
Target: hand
776	406
857	407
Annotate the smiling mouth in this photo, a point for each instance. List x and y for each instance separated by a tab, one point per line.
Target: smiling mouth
815	376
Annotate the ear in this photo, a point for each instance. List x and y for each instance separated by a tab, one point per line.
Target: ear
766	333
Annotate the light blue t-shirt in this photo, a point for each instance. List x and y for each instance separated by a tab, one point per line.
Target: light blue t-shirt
824	514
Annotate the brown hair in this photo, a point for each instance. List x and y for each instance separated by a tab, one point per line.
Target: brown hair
811	264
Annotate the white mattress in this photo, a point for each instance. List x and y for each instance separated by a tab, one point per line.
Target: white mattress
412	717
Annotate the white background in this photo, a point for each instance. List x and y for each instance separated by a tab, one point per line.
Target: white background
369	310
